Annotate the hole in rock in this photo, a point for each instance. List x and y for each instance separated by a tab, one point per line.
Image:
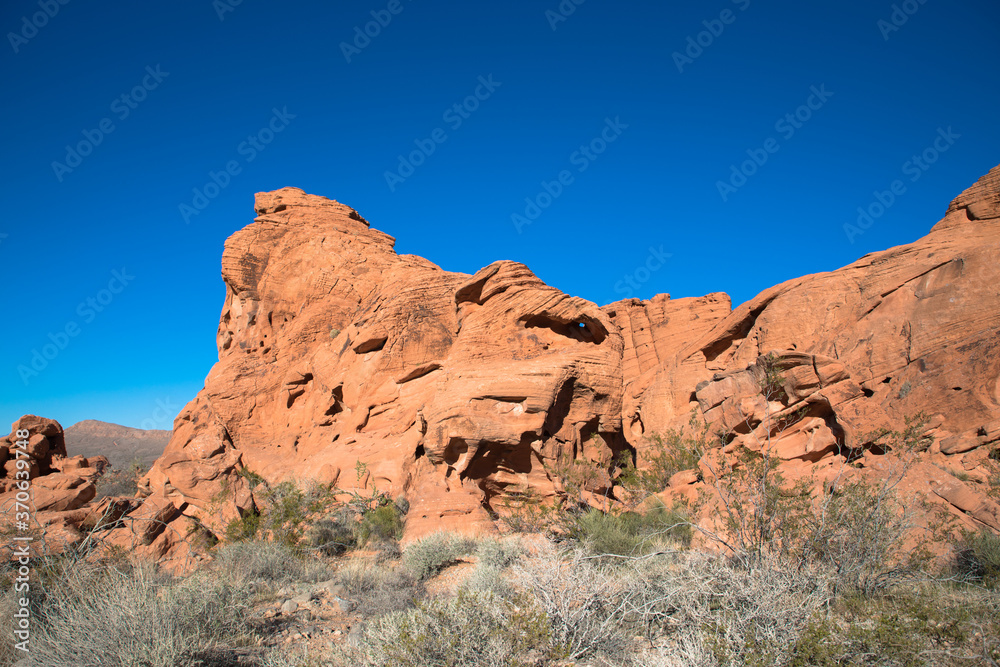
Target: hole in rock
583	331
454	451
337	406
867	392
371	345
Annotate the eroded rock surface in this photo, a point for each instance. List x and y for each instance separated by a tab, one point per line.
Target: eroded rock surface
42	491
451	389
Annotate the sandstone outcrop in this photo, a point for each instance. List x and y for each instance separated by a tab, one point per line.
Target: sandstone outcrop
454	389
57	486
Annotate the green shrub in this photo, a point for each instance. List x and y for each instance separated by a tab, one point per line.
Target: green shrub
631	533
524	510
381	523
603	533
664	456
244	528
285	514
929	624
252	478
978	557
427	557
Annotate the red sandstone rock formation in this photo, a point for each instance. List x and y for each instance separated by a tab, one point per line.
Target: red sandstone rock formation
912	329
58	486
452	388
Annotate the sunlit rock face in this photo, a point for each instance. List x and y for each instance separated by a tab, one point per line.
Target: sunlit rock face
452	389
333	349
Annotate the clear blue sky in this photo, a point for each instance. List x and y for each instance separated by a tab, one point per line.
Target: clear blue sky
214	82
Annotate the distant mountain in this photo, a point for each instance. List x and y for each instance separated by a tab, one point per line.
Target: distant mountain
121	444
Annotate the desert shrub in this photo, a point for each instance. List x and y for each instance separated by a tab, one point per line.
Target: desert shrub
331	536
426	557
499	552
930	624
859	532
737	612
133	616
585	605
287	509
311	520
246	527
473	629
524	510
378	589
384	522
274	563
665	455
488	578
631	533
495	556
857	528
752	615
761	514
687	650
605	533
252	478
385	550
575	476
978	557
120	482
286	514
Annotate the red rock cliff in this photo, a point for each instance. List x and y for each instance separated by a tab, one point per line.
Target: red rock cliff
451	388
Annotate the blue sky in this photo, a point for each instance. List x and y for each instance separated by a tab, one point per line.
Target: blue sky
726	143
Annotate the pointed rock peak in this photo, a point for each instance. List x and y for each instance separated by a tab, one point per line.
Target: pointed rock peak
982	200
276	201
